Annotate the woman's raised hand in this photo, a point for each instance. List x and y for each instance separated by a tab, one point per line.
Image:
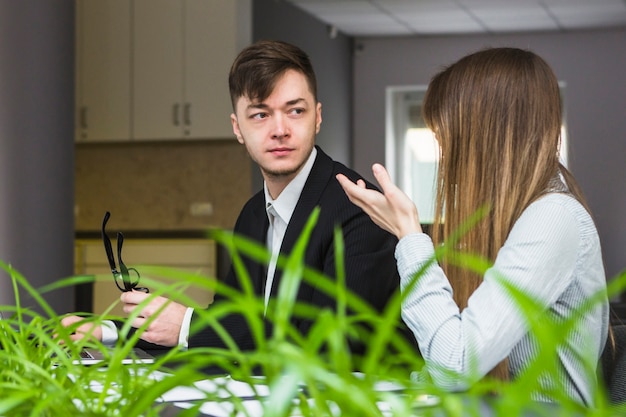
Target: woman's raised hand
392	209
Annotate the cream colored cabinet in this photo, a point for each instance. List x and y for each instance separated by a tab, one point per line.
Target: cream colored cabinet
157	69
182	54
103	69
215	32
175	73
187	255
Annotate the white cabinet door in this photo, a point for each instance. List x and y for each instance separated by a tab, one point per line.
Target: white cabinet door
157	69
211	44
103	85
182	54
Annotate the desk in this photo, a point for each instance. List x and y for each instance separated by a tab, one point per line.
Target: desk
255	409
223	396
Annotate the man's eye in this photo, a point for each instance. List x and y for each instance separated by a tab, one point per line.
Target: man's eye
258	116
297	111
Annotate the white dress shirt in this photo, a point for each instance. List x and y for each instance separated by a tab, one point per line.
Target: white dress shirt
279	213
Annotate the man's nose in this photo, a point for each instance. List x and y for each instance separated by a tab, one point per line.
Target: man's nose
280	128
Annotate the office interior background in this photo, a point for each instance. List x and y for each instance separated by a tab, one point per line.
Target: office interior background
53	187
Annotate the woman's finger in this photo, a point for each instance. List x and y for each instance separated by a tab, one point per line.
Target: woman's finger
351	189
383	178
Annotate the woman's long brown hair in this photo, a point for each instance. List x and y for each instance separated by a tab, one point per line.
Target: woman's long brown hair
497	117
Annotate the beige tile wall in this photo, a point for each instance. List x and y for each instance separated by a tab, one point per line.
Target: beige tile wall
151	185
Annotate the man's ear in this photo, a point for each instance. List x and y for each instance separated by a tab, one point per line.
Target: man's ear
236	131
318	117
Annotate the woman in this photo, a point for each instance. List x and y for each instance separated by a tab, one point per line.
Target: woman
497	117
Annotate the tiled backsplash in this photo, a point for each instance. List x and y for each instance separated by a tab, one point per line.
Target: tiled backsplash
153	185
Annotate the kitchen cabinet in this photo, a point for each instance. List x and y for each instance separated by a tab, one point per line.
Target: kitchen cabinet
215	33
157	63
103	70
194	255
175	73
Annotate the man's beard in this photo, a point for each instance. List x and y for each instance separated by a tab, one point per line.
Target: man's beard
282	173
290	173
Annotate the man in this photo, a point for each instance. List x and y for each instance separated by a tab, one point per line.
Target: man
276	116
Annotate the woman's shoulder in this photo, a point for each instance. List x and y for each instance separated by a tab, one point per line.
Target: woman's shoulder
561	208
558	201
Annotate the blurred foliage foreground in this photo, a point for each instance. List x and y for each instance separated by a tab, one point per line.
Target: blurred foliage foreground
312	375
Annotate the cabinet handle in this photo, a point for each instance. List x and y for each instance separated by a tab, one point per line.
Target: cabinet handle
83	117
187	114
175	111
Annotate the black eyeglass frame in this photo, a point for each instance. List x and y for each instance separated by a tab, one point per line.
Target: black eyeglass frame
124	273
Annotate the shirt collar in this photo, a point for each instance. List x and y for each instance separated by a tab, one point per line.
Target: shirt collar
286	202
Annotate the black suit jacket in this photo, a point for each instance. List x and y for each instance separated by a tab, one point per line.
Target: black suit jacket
370	266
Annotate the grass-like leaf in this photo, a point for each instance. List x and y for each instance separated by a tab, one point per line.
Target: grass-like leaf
309	375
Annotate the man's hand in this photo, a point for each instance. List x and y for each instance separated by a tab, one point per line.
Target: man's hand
87	329
164	329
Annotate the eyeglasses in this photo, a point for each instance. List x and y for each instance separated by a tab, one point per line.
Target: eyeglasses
124	274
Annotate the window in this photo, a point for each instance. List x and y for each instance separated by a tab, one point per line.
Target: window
412	153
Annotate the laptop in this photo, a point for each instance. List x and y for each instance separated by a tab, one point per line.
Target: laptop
95	356
92	356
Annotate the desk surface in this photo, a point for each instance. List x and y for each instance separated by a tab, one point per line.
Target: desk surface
224	396
254	408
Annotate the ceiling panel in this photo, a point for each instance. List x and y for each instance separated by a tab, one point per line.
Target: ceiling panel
424	17
588	15
514	17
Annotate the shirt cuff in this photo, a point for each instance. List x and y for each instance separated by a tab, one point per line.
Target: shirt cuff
183	337
109	333
412	252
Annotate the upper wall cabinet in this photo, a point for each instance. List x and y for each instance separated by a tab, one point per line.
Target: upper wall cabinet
157	69
103	73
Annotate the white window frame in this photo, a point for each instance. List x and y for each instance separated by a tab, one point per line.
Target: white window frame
398	153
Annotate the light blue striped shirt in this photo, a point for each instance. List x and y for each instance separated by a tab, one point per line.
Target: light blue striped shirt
553	255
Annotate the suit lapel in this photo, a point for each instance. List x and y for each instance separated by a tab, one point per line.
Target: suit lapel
309	198
257	230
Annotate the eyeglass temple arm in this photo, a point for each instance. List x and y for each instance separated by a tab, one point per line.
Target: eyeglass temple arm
123	268
107	242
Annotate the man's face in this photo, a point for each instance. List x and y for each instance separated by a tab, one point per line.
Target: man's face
279	132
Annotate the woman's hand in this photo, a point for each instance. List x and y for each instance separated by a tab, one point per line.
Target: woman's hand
392	209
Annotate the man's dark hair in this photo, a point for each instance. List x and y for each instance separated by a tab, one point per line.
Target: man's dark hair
258	67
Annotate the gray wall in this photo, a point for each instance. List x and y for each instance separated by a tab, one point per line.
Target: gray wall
332	61
36	145
592	63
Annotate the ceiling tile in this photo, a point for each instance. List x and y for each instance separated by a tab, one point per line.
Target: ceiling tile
431	16
514	17
406	17
368	25
325	9
443	22
584	15
354	17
